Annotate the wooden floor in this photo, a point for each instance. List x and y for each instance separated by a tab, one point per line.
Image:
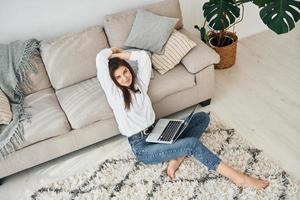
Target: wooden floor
259	97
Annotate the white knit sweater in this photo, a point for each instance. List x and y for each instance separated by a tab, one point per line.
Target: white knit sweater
141	114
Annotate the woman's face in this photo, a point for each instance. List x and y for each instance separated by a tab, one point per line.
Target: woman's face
123	76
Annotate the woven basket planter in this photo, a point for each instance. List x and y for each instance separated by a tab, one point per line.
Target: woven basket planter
227	53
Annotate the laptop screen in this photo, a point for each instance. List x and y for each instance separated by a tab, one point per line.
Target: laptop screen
187	120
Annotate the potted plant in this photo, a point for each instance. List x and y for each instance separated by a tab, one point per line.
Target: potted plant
279	15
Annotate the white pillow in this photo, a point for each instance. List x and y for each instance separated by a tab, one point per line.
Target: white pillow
177	46
5	111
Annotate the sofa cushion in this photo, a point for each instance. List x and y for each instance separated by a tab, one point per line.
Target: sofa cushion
154	35
48	120
39	78
84	103
117	26
176	80
201	56
5	111
176	48
70	59
134	63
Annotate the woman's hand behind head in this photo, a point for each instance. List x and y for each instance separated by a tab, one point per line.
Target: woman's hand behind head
122	55
116	50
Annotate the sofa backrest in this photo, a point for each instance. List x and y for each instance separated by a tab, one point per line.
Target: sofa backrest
71	58
117	26
39	78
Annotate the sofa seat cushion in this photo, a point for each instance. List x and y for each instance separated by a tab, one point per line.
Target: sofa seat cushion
84	103
201	56
175	80
48	119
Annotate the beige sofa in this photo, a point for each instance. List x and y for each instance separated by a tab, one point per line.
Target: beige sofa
68	106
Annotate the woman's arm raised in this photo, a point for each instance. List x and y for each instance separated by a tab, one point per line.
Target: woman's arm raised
144	66
107	84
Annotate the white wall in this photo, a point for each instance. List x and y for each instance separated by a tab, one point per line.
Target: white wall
251	23
23	19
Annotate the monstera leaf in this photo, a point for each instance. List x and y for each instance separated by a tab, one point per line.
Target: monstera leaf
259	3
279	15
220	13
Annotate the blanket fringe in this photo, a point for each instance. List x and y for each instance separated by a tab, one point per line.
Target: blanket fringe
31	49
13	142
17	137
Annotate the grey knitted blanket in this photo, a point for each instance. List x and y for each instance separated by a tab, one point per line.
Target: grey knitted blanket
14	62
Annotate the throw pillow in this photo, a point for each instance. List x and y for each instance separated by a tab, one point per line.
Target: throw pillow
150	31
134	64
71	58
118	25
176	48
5	111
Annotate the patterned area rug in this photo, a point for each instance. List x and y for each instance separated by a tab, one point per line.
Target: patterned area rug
123	177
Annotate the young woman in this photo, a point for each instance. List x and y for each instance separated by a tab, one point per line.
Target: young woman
126	93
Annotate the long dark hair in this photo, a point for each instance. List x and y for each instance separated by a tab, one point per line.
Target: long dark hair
113	65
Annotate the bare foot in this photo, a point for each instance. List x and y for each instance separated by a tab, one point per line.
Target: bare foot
240	179
248	181
173	166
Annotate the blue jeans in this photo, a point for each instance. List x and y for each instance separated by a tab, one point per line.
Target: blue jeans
187	145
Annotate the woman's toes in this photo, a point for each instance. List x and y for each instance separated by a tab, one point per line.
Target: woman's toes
265	184
172	168
256	183
170	173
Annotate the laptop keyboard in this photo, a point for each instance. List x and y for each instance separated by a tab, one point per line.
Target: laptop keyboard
169	131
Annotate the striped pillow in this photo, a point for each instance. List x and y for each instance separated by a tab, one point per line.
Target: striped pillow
177	46
5	111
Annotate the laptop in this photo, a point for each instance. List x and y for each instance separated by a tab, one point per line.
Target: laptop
167	131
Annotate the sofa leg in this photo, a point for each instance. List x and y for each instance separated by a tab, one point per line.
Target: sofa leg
205	103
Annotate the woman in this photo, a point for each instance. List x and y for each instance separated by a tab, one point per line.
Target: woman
126	93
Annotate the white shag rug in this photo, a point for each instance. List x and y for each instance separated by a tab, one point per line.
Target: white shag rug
123	177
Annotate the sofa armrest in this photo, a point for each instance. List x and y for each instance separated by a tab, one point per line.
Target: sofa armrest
200	56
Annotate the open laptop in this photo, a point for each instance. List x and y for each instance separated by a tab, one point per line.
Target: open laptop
168	131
